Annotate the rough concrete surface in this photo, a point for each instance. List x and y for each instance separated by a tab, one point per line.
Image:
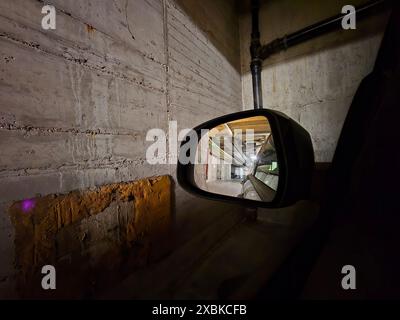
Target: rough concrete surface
91	236
313	82
76	102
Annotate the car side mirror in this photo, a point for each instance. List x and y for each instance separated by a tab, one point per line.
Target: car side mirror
258	158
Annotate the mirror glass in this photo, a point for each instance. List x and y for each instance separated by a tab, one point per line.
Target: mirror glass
238	159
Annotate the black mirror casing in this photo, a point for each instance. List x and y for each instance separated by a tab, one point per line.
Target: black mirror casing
295	156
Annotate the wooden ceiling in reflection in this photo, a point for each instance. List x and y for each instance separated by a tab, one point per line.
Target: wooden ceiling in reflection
259	124
261	130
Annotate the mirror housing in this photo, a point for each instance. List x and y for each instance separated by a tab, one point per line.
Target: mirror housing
294	152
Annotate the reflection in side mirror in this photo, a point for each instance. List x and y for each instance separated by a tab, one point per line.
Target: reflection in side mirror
240	160
258	158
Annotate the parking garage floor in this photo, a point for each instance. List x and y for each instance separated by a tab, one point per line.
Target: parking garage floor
231	187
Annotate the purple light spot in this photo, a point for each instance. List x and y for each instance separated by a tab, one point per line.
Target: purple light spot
28	205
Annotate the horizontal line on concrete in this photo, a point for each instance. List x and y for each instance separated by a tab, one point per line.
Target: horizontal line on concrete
224	96
80	62
211	96
318	102
197	39
205	57
68	44
202	71
50	130
70	167
211	85
68	14
200	108
206	67
55	182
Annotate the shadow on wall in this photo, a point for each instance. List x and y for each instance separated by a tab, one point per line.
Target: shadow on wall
222	33
93	238
279	18
315	81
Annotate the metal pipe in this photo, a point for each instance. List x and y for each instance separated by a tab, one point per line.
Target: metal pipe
256	66
260	53
256	62
315	30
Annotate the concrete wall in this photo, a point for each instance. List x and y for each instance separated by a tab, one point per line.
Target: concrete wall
218	19
314	82
93	238
76	102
